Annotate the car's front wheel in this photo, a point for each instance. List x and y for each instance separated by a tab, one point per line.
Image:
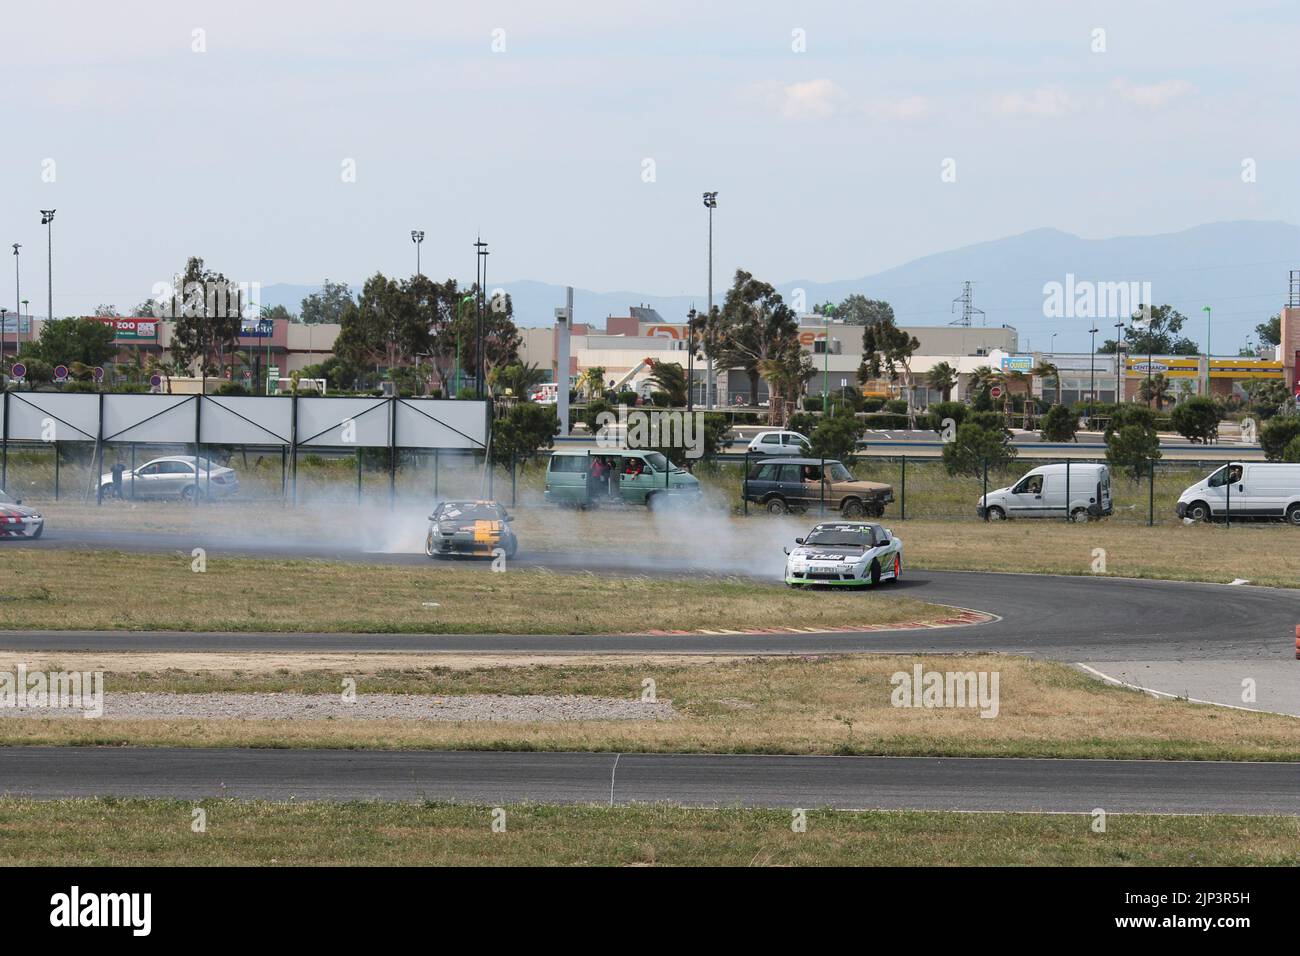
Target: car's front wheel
995	513
428	545
776	506
1198	511
875	571
852	508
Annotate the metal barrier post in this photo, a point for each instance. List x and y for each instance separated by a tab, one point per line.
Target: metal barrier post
984	501
133	471
744	486
512	479
56	471
823	488
435	474
1151	496
1227	514
358	475
902	495
392	452
1067	489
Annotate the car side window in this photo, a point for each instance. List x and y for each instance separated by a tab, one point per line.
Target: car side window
149	470
771	439
790	473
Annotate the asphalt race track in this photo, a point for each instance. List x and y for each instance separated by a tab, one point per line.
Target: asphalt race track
703	780
1152	633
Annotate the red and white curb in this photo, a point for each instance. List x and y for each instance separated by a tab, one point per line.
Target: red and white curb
963	618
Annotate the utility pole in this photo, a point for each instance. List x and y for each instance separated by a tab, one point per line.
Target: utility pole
481	273
1092	373
1119	361
1206	310
690	359
417	237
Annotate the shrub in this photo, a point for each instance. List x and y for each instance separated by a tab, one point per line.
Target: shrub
1291	453
522	430
975	445
872	404
1277	434
836	437
1197	419
1131	448
1059	424
940	410
896	405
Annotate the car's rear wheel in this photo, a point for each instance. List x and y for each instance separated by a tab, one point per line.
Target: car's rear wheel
777	506
188	492
852	508
875	571
1079	515
41	530
996	514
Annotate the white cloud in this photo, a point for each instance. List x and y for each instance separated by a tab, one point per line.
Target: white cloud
1152	96
897	107
809	100
1044	101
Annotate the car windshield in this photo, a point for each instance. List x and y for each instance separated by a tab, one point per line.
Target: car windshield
656	461
467	511
841	537
5	499
838	472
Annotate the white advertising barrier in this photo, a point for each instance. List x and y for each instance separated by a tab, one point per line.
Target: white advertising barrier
440	423
343	422
51	416
248	420
149	418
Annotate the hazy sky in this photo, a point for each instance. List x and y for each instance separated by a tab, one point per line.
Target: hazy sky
828	162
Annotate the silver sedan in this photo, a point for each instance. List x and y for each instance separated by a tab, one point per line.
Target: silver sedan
177	476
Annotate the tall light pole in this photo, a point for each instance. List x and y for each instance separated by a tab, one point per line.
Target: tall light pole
480	273
417	237
690	360
18	302
1206	310
710	203
47	219
1092	373
1119	361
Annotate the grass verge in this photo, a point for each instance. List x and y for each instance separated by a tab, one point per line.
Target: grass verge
113	591
814	705
103	832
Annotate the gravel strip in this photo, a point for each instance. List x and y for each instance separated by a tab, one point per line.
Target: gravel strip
228	706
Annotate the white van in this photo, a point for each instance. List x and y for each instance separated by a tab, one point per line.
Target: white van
1043	493
1251	489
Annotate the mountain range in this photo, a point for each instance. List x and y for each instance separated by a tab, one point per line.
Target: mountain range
1240	269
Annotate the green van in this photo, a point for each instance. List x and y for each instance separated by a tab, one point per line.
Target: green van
595	476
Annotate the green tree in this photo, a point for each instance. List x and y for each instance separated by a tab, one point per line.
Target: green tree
859	310
888	350
837	437
758	333
1131	439
670	378
1270	332
524	429
974	446
66	341
1197	419
501	339
327	306
1156	389
1291	453
207	328
1268	397
518	377
943	378
1157	335
1277	433
1045	371
1059	424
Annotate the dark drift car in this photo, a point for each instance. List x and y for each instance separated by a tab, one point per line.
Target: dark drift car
470	527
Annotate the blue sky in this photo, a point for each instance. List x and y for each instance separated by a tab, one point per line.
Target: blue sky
828	161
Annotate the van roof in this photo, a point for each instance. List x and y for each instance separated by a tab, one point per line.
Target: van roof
601	451
1060	467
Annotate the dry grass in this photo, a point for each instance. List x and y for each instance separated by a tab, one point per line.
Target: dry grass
109	590
107	832
825	705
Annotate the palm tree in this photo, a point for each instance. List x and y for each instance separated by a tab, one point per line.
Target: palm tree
982	379
944	378
1046	370
669	377
592	382
1157	387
